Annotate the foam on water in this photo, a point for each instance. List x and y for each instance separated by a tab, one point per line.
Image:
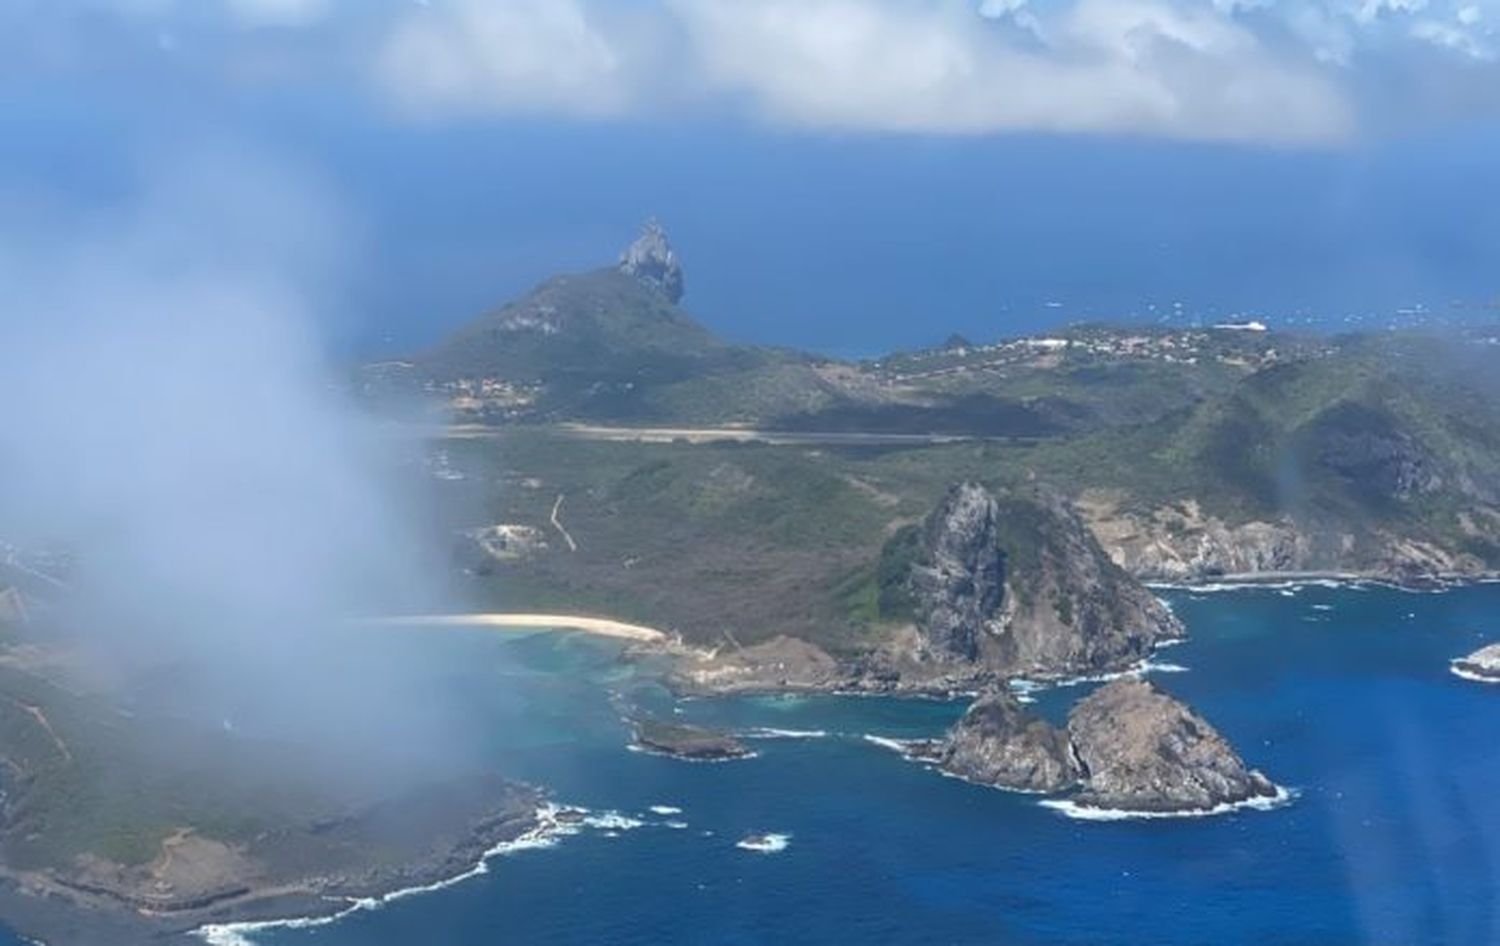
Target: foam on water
1026	686
769	733
612	821
1074	810
665	810
902	746
545	834
677	758
765	843
1458	670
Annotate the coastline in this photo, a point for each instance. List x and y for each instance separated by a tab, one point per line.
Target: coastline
599	627
546	829
1071	809
1459	669
552	822
1429	583
52	908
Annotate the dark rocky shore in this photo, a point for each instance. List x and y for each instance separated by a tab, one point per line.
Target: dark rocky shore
1481	666
306	871
692	743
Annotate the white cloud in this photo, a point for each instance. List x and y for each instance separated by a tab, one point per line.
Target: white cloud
278	12
509	56
1126	66
1278	71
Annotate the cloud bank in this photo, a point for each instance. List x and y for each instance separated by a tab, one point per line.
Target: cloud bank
1264	71
174	428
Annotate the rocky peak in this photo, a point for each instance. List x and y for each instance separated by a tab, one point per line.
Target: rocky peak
1128	747
1019	584
1142	750
652	260
997	742
960	584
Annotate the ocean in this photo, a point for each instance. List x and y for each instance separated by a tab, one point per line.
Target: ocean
1341	694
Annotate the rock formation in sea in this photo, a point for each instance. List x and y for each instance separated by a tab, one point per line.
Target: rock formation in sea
1483	664
1016	584
688	742
1128	747
652	260
1142	750
997	742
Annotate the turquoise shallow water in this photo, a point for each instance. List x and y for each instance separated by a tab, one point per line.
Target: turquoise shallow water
1342	694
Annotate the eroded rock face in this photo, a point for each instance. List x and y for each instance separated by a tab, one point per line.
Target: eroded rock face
1181	542
1142	750
652	260
960	584
997	742
1368	448
1019	585
1483	664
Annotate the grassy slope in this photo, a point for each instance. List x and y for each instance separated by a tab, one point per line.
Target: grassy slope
114	787
758	540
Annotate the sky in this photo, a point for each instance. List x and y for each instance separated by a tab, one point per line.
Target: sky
848	176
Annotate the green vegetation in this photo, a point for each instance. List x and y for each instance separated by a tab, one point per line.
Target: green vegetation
753	540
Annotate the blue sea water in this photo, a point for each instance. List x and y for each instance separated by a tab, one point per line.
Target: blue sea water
1342	694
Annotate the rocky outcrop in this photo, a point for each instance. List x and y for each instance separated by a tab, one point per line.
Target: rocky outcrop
1128	747
780	664
1143	751
687	742
1482	666
997	742
1017	585
1368	447
959	583
652	260
1181	543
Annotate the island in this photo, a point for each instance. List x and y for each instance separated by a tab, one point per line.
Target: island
943	522
691	743
1140	750
1128	749
998	743
1482	666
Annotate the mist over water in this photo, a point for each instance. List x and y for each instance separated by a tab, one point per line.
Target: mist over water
173	426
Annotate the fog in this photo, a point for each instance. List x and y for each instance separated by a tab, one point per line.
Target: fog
173	423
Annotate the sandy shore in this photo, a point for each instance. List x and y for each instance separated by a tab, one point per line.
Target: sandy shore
602	627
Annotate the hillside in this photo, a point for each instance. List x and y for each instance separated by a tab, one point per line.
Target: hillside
1189	453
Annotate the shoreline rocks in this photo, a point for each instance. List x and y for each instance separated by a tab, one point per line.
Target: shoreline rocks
691	743
997	742
309	870
1482	666
1128	748
1142	750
